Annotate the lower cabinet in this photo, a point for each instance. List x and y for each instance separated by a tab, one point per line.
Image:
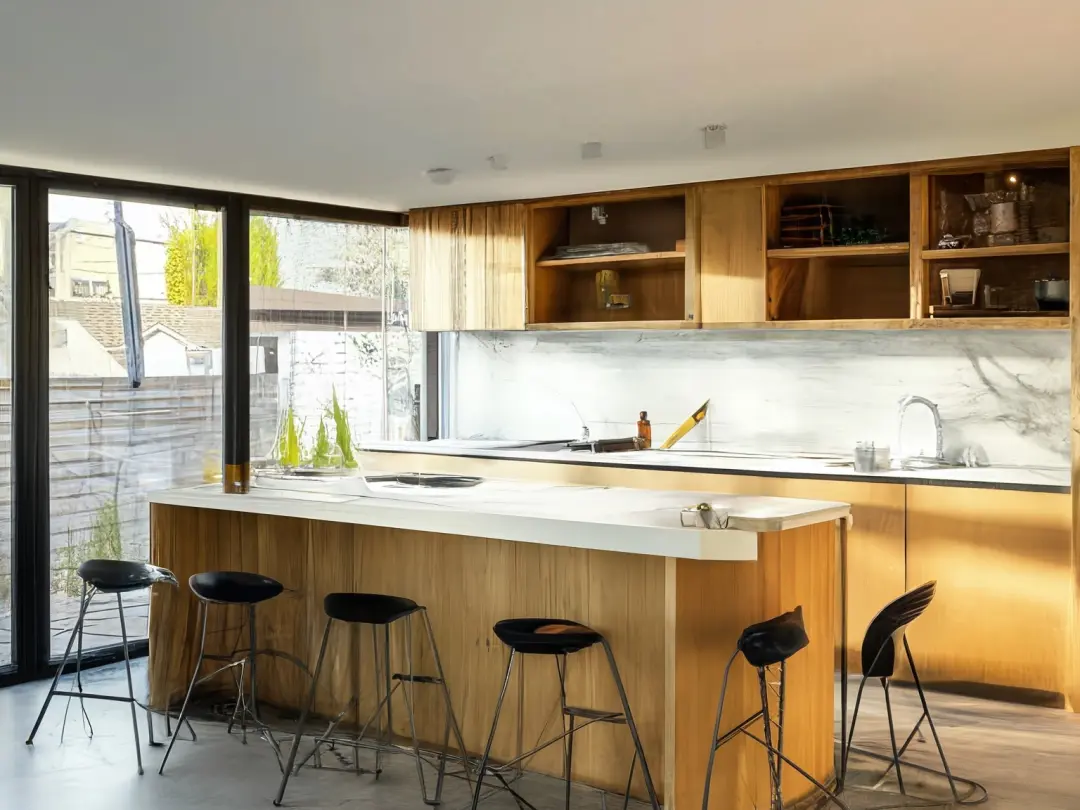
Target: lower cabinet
1002	564
1000	558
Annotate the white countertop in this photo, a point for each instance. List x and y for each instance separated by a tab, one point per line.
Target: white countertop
1053	479
602	518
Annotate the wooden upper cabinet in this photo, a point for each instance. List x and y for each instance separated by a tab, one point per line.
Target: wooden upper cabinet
731	252
467	268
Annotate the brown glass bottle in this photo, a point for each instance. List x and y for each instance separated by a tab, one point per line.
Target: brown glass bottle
644	430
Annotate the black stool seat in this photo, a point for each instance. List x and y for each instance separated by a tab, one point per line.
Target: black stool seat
545	636
774	640
121	576
234	587
368	608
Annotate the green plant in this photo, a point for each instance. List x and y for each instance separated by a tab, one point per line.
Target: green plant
104	543
192	265
321	455
289	437
344	434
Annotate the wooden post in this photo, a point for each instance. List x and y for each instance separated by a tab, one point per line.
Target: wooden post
918	238
1072	645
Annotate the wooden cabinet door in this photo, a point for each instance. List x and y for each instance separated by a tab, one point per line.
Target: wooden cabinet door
491	282
731	253
435	253
1002	563
467	268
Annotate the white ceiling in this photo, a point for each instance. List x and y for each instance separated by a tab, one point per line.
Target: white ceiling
349	101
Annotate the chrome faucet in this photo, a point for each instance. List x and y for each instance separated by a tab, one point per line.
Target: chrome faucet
907	402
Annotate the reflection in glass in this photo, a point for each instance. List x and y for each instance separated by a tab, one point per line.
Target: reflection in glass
7	199
115	434
333	361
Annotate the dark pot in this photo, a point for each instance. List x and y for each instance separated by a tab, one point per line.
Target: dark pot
1052	294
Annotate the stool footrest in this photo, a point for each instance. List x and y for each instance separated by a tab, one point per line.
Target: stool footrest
595	714
406	677
89	696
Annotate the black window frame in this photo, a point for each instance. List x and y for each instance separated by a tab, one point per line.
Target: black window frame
30	370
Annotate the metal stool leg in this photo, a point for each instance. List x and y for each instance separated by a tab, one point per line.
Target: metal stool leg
409	693
892	737
930	721
776	800
491	735
303	716
451	718
846	754
78	679
568	740
60	668
631	726
131	687
715	745
191	687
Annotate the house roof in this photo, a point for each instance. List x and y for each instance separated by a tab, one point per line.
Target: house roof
199	326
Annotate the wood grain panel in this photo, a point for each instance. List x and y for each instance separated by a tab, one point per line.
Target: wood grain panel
706	638
918	238
732	253
491	288
875	542
1002	563
467	267
434	259
1072	675
467	584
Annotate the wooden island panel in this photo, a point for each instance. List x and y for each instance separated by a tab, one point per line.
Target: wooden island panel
672	625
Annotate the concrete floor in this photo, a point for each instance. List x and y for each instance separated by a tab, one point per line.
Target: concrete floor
1027	758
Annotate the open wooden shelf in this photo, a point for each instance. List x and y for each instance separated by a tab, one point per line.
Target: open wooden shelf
661	284
840	251
609	325
1047	321
626	261
894	324
1034	249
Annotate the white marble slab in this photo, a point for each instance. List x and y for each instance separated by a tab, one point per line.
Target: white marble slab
720	462
601	518
1003	395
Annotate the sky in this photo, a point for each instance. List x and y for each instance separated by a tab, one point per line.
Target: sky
144	218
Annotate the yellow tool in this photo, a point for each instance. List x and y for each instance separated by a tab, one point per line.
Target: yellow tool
686	426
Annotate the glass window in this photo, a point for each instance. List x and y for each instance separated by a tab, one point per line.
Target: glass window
7	223
333	360
128	413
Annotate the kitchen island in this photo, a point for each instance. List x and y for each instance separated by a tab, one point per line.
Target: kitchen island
671	598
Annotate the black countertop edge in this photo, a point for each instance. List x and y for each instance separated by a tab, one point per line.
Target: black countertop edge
913	479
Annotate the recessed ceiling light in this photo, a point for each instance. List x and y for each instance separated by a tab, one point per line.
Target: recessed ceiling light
442	176
714	135
591	150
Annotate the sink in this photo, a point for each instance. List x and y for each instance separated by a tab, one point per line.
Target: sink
928	463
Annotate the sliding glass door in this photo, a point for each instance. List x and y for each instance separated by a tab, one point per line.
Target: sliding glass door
135	394
7	254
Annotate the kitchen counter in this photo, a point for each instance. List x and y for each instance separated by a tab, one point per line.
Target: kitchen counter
1031	479
671	600
598	518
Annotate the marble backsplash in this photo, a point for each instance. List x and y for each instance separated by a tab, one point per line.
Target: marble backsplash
1003	395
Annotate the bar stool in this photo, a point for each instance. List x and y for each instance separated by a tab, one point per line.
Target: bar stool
879	655
106	576
380	610
765	645
232	588
560	638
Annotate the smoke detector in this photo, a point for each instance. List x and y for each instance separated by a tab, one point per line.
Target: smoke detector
714	135
497	162
441	176
591	150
